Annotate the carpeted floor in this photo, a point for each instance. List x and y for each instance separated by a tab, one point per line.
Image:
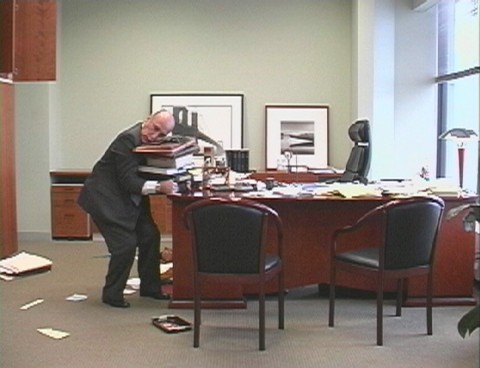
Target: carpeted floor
101	336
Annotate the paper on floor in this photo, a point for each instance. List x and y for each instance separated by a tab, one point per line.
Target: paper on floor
31	304
76	297
54	334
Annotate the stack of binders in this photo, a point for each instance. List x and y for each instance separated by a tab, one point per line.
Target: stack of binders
172	155
238	159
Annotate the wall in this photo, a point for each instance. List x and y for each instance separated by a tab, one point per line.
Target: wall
113	54
32	118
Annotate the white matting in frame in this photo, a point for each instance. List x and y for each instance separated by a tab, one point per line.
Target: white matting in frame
219	116
301	129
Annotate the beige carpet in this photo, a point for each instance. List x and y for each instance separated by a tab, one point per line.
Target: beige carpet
101	336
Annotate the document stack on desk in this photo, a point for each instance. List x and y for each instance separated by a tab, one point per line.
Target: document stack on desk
354	190
444	187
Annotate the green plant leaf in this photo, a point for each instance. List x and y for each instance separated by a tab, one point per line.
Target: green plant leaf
469	322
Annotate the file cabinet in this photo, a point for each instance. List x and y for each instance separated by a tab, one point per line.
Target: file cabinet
68	219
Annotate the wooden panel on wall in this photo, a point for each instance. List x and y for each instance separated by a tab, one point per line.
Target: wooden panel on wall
35	40
8	210
6	37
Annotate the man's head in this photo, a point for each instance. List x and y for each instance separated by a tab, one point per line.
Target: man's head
157	126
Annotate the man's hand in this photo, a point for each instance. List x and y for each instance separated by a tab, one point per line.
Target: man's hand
167	187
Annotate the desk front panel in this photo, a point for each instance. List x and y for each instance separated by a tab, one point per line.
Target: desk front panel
308	228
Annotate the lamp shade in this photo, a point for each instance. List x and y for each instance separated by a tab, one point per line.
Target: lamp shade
459	134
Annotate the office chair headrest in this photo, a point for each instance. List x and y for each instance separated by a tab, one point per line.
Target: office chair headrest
359	131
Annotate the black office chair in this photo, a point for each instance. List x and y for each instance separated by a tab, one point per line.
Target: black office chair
358	163
229	242
409	232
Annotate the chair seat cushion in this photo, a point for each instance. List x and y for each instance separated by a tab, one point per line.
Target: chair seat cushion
367	257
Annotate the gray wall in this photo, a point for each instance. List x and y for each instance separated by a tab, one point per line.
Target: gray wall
113	54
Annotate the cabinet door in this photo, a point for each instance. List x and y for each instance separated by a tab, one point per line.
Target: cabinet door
6	37
28	39
35	40
8	209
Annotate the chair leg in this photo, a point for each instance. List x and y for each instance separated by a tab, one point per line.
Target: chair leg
331	308
196	316
261	327
398	311
281	301
429	304
380	311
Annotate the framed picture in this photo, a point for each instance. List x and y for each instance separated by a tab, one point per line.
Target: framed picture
298	133
216	120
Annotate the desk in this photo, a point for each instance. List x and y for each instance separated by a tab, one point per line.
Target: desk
308	226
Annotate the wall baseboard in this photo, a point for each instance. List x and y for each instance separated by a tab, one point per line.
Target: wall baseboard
31	236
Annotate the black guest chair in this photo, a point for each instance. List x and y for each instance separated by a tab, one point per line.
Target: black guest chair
229	242
358	163
409	229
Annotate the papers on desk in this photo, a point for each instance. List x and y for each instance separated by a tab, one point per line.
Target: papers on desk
350	190
391	188
444	187
318	190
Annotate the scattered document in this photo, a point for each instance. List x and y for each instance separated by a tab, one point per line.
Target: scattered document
5	277
54	334
31	304
76	297
134	283
165	267
24	262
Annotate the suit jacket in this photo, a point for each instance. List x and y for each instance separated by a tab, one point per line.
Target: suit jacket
112	192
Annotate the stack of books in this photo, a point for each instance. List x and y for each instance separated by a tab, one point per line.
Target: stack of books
172	155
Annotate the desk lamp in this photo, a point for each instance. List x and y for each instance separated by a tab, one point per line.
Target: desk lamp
461	136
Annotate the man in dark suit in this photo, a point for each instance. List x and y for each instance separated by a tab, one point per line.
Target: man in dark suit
116	197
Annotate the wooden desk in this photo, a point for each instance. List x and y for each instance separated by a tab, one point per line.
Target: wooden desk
295	177
308	227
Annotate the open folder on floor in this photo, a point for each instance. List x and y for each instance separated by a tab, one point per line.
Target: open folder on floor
23	263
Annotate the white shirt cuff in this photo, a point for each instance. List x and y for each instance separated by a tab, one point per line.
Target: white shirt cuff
149	187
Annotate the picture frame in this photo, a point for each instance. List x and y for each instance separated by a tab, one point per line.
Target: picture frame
215	119
300	129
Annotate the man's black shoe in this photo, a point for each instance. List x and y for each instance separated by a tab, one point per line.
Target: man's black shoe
117	303
155	295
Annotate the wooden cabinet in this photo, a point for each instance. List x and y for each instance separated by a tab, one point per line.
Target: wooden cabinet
8	208
28	40
68	219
